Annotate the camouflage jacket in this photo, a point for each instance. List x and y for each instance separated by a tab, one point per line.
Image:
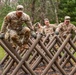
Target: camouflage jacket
40	30
64	29
11	21
50	29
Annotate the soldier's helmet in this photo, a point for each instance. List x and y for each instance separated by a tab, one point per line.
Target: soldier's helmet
20	7
67	18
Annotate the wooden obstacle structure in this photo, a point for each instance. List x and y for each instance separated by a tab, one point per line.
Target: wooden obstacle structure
54	54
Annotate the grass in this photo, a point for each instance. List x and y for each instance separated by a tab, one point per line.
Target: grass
75	54
2	53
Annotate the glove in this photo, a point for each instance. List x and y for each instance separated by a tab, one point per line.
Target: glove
1	35
33	34
57	33
64	35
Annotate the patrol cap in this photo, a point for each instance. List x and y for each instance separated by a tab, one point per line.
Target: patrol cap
20	7
67	18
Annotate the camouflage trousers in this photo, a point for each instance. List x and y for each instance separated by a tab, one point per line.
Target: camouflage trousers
18	37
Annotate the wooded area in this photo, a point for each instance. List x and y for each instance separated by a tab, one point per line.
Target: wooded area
41	50
54	10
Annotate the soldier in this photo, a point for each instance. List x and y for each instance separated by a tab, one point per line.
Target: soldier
65	28
13	27
49	28
38	28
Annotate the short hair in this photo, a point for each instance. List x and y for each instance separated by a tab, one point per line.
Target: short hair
46	19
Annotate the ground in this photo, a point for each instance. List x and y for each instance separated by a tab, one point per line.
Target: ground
39	71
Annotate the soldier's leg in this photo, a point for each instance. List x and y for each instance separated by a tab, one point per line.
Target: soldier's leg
7	35
14	38
26	33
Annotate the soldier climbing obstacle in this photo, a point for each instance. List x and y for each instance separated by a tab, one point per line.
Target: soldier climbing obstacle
49	28
13	27
65	28
38	28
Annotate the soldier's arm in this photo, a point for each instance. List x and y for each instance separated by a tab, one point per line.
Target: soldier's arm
74	28
58	28
5	24
54	26
29	23
44	33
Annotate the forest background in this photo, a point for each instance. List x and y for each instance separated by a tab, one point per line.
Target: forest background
54	10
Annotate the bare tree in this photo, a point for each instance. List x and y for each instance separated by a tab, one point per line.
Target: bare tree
37	9
0	1
55	9
33	10
43	11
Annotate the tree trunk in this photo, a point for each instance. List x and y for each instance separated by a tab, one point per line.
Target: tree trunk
43	11
33	10
0	1
55	9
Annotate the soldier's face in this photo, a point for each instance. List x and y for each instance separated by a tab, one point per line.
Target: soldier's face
67	22
19	13
47	23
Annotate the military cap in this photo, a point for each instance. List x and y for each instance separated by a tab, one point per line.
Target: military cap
67	18
20	7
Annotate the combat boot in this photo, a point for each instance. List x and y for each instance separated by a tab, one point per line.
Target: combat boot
23	47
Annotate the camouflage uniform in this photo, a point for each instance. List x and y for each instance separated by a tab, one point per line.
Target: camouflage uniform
64	29
38	29
13	27
49	29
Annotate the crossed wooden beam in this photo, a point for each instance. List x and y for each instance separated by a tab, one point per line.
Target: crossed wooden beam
41	52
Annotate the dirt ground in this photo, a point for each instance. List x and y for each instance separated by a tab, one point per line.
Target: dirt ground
38	71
